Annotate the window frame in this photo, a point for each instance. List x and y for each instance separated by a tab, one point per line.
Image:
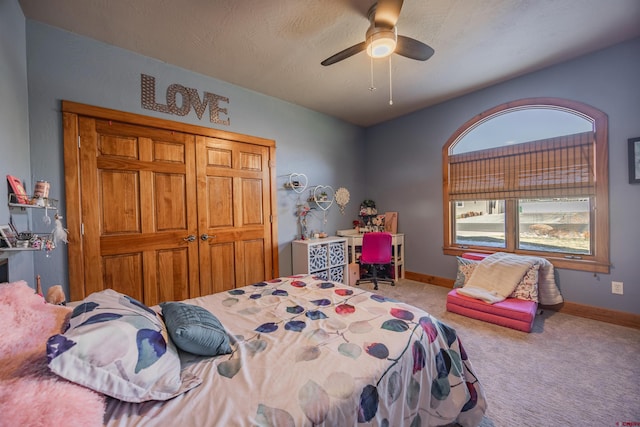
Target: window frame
598	261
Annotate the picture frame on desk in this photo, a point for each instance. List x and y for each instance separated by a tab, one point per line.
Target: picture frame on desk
391	222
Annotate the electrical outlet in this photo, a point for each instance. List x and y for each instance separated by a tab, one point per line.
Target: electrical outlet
616	288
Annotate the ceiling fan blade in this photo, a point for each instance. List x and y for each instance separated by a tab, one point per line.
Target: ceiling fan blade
414	49
348	52
387	13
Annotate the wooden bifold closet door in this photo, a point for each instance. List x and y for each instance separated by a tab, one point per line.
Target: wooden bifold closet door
162	212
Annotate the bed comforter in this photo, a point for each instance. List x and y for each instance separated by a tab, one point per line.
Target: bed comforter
307	352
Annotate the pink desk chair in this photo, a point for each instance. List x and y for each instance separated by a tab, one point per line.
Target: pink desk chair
376	252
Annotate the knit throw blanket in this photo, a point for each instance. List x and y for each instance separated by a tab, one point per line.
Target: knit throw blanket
496	277
30	394
493	279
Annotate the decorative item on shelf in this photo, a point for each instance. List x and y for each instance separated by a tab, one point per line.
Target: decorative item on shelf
342	198
48	246
8	236
297	182
59	232
378	223
367	212
40	193
18	190
368	208
323	196
303	211
23	239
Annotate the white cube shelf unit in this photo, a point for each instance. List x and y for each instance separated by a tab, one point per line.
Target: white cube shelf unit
325	258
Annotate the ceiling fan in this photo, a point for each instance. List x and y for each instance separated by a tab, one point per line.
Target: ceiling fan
382	39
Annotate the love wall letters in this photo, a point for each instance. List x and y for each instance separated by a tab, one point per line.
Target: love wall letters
190	98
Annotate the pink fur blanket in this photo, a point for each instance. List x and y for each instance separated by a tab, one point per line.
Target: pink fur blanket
30	394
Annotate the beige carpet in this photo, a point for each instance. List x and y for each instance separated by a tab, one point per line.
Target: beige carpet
569	371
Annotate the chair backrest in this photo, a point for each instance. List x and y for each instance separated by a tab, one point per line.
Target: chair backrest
376	248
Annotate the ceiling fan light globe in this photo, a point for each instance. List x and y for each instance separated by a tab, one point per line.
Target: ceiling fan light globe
381	43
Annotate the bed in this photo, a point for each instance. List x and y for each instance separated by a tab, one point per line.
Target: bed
301	351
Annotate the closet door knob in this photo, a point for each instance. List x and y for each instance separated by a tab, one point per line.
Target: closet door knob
190	238
204	237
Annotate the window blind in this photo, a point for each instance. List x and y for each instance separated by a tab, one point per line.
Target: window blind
556	167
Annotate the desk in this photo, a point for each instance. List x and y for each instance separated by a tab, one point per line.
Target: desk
354	242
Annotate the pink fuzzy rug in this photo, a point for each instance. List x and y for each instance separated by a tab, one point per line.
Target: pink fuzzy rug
30	395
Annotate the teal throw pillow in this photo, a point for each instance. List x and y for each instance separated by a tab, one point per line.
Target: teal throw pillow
194	329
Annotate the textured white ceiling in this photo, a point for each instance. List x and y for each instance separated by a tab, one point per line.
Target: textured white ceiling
275	47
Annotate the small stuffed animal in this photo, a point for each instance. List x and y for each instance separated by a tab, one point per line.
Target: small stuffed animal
55	295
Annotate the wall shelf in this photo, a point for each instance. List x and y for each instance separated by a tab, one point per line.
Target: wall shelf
45	203
37	241
2	250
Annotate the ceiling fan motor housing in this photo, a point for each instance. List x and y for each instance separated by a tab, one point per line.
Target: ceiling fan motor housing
381	41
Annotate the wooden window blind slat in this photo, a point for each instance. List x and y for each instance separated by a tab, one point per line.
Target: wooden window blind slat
562	166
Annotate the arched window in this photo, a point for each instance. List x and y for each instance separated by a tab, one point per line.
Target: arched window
530	177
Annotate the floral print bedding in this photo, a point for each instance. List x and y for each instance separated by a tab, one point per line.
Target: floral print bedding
309	352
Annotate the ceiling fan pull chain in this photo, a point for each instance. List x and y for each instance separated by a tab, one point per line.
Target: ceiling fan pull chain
390	84
371	87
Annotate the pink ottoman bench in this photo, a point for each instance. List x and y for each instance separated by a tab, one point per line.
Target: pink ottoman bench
512	313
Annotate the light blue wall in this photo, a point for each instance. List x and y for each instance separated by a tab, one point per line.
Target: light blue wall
412	183
64	66
14	127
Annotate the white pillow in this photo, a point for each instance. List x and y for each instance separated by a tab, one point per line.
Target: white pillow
118	346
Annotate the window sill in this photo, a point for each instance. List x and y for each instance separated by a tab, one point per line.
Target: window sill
584	264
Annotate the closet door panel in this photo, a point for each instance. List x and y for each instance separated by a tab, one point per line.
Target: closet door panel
253	260
222	267
139	203
125	272
219	210
172	267
123	215
234	207
171	204
252	202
